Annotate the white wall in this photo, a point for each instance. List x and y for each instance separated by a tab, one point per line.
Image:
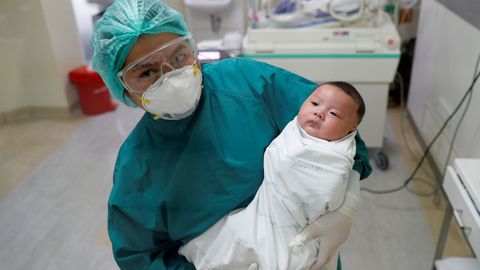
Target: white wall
179	5
11	53
27	73
446	51
39	45
84	17
55	28
69	24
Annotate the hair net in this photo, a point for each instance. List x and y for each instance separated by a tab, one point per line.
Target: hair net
118	29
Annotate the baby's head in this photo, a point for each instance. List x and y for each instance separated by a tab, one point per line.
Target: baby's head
332	111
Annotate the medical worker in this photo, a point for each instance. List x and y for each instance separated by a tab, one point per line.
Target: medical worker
197	152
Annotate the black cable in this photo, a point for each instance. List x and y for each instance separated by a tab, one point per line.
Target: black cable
436	188
407	145
427	150
436	199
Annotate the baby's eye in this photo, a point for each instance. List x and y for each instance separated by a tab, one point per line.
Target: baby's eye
314	103
334	114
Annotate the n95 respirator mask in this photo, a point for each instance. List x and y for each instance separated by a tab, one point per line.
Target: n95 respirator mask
175	95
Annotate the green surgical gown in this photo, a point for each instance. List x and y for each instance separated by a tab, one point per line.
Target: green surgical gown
174	179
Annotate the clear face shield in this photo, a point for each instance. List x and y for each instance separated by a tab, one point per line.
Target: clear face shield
142	73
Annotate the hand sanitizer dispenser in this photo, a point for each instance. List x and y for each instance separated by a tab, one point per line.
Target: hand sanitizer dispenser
212	19
208	6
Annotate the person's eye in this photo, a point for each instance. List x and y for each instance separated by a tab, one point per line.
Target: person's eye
178	59
334	114
147	74
314	103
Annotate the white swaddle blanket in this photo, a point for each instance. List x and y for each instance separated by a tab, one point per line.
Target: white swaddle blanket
305	177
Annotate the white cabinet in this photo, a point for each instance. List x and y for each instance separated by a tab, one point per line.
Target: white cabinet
461	185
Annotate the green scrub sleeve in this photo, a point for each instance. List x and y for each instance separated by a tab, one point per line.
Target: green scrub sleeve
135	247
362	164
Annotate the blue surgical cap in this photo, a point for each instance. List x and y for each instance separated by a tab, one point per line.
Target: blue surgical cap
118	29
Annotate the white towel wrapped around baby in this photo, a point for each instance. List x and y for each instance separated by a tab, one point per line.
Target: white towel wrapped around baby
305	177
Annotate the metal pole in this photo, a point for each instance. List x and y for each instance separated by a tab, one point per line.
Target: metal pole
442	239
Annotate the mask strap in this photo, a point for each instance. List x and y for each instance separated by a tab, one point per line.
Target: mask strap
196	69
142	100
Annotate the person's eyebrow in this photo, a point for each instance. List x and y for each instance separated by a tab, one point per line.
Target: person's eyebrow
177	49
142	66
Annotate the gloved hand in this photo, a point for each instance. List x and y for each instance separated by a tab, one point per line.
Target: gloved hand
333	228
253	266
331	264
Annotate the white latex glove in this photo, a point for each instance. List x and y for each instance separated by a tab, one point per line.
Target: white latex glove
333	228
331	264
253	266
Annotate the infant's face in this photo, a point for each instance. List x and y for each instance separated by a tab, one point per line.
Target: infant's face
328	113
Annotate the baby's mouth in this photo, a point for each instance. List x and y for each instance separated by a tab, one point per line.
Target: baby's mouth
314	124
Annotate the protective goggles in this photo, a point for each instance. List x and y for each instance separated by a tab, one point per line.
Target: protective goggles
139	75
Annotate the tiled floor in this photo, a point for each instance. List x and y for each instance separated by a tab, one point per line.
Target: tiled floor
55	216
433	210
24	145
55	177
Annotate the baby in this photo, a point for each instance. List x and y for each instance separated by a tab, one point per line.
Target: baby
306	172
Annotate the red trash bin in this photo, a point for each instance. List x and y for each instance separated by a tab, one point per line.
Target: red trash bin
93	94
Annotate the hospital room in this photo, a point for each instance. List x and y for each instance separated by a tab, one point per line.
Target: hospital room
240	134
